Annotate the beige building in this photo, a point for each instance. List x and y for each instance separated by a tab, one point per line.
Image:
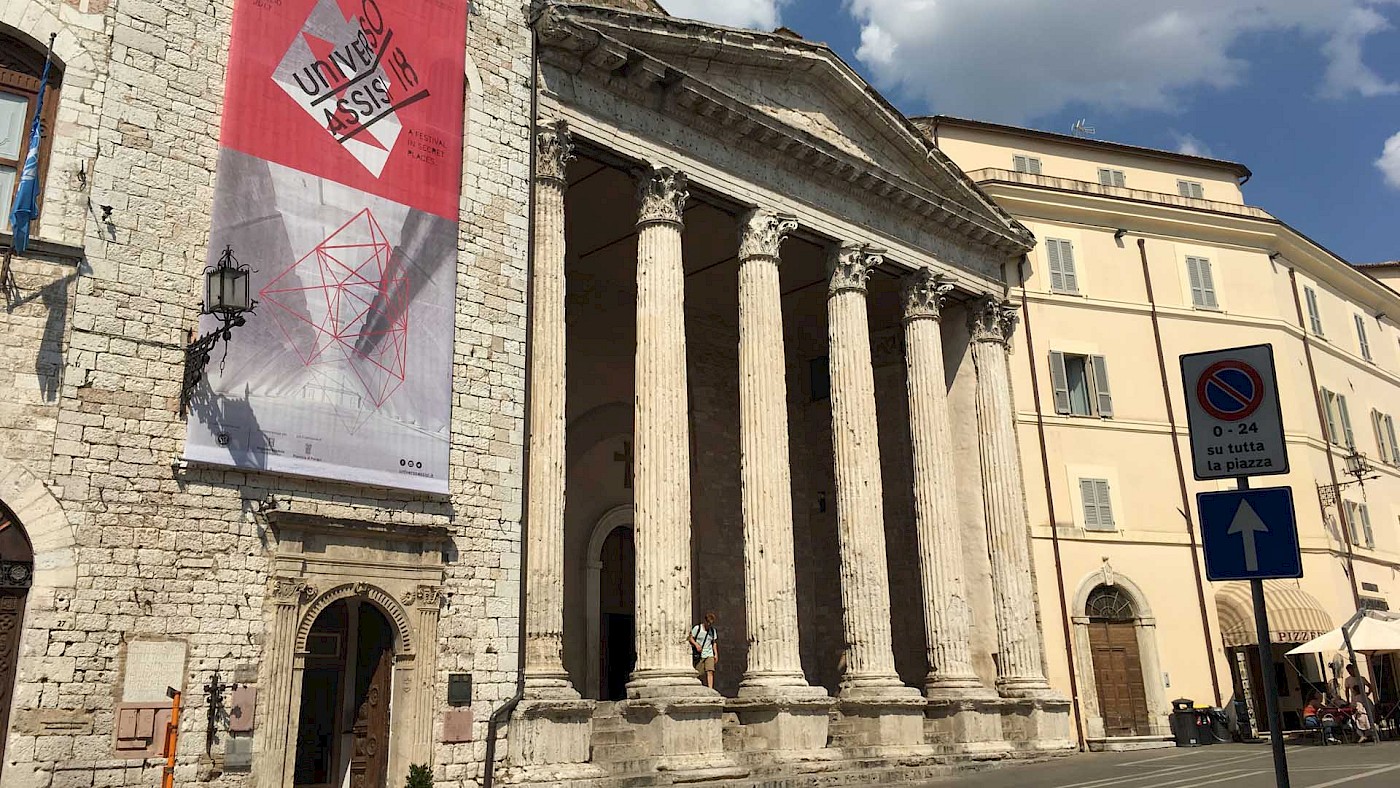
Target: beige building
1143	256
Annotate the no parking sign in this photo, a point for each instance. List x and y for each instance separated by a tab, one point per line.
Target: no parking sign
1232	409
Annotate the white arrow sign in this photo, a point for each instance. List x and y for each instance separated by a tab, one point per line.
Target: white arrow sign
1247	524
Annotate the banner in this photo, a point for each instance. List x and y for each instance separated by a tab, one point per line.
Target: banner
339	177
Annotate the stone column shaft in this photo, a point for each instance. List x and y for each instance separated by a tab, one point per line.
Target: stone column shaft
947	612
544	623
1020	665
770	578
661	478
860	510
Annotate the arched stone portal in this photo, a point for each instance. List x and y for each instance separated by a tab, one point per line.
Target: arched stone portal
613	530
1116	659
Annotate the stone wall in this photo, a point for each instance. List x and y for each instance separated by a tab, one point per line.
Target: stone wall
95	356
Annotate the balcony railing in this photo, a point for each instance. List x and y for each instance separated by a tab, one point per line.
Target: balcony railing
996	175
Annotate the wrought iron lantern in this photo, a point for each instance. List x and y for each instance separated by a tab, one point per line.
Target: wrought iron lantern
228	295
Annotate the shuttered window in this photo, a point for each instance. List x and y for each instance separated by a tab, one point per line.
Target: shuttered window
1191	189
1361	337
1382	441
1198	270
1344	418
1109	177
1314	316
1081	385
1394	443
1359	521
1098	508
1329	409
1027	164
1063	276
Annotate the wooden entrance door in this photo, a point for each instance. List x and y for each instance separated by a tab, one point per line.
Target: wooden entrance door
369	755
16	574
1118	677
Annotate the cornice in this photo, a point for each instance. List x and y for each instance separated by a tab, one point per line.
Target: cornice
572	46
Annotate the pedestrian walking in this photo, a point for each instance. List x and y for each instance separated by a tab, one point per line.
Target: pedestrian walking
704	645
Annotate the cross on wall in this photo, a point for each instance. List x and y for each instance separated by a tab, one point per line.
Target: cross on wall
625	457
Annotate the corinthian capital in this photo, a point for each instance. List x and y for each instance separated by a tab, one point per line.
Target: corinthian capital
554	149
849	266
992	319
762	232
924	294
661	195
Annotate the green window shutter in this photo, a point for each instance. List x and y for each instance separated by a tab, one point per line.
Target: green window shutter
1106	520
1101	386
1346	421
1329	407
1059	380
1314	317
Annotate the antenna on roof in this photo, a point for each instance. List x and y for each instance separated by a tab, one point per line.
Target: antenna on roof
1081	129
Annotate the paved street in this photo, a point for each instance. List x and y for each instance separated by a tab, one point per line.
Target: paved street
1242	765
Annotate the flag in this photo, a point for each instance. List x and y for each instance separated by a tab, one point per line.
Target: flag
26	205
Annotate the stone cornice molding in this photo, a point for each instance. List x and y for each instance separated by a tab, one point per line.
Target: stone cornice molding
571	45
554	149
661	196
848	267
761	234
925	292
991	319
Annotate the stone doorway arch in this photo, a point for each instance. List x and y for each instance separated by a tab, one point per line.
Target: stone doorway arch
615	518
1107	597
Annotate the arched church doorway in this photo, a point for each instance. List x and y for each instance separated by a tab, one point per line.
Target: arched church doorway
617	614
1118	677
16	570
343	729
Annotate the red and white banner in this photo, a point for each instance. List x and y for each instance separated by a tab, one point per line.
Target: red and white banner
339	181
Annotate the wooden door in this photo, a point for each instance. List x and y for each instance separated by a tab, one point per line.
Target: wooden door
11	618
369	754
1118	677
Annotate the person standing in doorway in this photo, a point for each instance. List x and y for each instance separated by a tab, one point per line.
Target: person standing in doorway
704	646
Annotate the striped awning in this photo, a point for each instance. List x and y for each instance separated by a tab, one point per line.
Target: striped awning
1295	616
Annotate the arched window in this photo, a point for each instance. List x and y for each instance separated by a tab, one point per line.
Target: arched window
1110	603
21	67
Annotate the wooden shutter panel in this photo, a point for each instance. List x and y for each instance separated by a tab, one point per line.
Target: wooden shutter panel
1059	380
1370	536
1394	444
1361	337
1313	316
1071	276
1207	283
1034	165
1105	504
1119	179
1193	272
1346	421
1329	406
1101	386
1018	162
1057	270
1089	495
1183	188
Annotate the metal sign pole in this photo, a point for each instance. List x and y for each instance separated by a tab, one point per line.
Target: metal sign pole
1266	666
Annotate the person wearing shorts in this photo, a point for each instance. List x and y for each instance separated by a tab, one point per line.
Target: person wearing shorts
704	647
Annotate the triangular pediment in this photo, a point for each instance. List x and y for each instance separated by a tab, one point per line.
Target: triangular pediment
801	85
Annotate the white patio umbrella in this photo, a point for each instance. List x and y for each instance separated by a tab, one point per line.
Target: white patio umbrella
1369	631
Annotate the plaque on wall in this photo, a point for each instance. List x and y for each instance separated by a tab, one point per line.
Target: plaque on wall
151	667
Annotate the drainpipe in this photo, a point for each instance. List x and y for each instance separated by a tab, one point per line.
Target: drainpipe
1327	439
503	711
1180	472
1050	505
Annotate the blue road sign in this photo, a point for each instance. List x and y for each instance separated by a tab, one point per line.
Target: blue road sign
1250	534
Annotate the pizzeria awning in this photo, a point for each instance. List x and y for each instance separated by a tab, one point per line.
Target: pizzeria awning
1295	616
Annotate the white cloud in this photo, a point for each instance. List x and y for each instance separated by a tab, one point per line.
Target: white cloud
1013	60
1389	162
1191	145
755	14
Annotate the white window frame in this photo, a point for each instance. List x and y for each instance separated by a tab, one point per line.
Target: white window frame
1314	312
1192	190
1095	380
1362	341
1200	279
1111	177
1098	513
1022	162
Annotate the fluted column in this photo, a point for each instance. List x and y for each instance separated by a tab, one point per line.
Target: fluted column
1020	671
860	510
770	577
545	676
661	478
947	613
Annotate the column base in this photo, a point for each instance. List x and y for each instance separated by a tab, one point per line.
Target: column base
551	732
876	687
1027	687
775	684
549	686
1037	725
889	724
684	735
969	727
956	688
667	683
786	724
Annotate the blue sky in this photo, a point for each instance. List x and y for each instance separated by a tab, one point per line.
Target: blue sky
1306	93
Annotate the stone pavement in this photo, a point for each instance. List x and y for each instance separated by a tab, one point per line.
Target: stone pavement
1232	765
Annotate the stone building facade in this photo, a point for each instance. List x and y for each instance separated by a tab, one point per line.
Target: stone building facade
744	331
